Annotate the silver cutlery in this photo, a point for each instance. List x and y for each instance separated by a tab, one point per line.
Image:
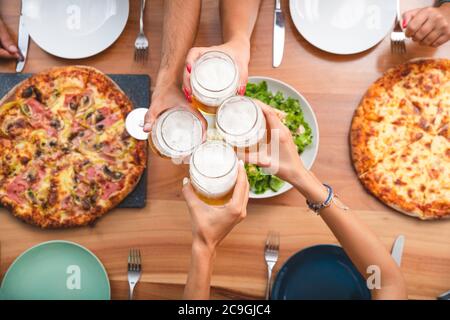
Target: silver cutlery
134	269
141	43
271	250
444	296
278	35
398	37
397	249
23	41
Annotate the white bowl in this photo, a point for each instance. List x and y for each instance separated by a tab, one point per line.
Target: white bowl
310	154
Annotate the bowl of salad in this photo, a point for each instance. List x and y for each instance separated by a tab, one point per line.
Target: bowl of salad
297	114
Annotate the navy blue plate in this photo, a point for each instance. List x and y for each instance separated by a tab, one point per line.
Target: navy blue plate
322	272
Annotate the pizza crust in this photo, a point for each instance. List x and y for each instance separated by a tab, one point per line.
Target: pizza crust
403	100
133	159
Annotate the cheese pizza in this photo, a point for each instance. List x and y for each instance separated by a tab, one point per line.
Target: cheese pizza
65	156
400	138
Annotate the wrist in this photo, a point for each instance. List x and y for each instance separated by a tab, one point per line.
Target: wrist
203	252
239	41
310	187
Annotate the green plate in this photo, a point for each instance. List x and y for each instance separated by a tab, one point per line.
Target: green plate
56	270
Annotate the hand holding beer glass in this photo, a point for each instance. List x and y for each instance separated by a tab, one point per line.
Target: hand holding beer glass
211	224
216	73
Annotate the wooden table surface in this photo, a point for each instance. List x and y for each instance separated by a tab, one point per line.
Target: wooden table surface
333	84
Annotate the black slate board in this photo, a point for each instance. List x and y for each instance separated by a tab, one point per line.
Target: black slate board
136	87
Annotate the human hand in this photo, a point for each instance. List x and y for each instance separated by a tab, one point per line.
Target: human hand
8	50
280	157
211	224
239	50
429	26
166	98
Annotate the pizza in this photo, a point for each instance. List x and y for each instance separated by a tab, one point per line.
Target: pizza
400	139
65	156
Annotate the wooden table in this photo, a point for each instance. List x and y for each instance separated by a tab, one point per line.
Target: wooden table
333	84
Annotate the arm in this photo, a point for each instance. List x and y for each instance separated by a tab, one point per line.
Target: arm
180	25
429	26
210	225
358	241
238	22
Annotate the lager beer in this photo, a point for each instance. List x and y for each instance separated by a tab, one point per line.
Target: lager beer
176	133
241	122
214	170
214	78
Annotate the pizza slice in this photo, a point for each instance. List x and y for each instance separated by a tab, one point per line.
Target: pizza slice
437	194
401	180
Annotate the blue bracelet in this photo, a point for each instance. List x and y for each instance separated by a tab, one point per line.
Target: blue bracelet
317	207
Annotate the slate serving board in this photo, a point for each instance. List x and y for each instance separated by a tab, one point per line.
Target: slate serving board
136	87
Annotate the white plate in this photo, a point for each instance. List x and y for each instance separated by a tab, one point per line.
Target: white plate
343	26
75	29
310	154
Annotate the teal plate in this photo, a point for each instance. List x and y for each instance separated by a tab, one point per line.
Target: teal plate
56	270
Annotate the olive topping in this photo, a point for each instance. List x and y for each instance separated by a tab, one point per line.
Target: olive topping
55	123
31	178
73	135
52	143
24	160
73	105
85	204
98	146
100	127
38	153
28	92
99	117
113	174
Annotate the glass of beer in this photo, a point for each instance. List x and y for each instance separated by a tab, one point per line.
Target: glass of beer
176	133
214	78
241	122
214	170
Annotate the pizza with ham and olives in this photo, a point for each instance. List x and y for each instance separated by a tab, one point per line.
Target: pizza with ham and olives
65	156
400	139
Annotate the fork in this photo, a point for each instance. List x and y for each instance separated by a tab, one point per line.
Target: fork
271	250
134	269
141	43
398	36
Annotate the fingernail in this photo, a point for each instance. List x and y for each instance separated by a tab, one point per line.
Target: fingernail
13	48
241	163
187	95
148	127
404	24
242	90
185	181
188	68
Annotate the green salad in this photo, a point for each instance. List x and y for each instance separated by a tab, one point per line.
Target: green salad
294	120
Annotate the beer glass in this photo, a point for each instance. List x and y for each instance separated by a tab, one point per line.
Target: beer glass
214	78
176	133
213	170
241	122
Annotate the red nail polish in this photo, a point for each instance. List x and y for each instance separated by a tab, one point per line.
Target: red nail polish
187	95
242	90
188	68
404	24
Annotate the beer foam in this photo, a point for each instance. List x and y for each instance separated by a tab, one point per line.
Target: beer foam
237	116
178	133
241	122
215	74
214	168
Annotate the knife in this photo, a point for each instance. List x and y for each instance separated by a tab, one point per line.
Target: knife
24	39
397	249
278	35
